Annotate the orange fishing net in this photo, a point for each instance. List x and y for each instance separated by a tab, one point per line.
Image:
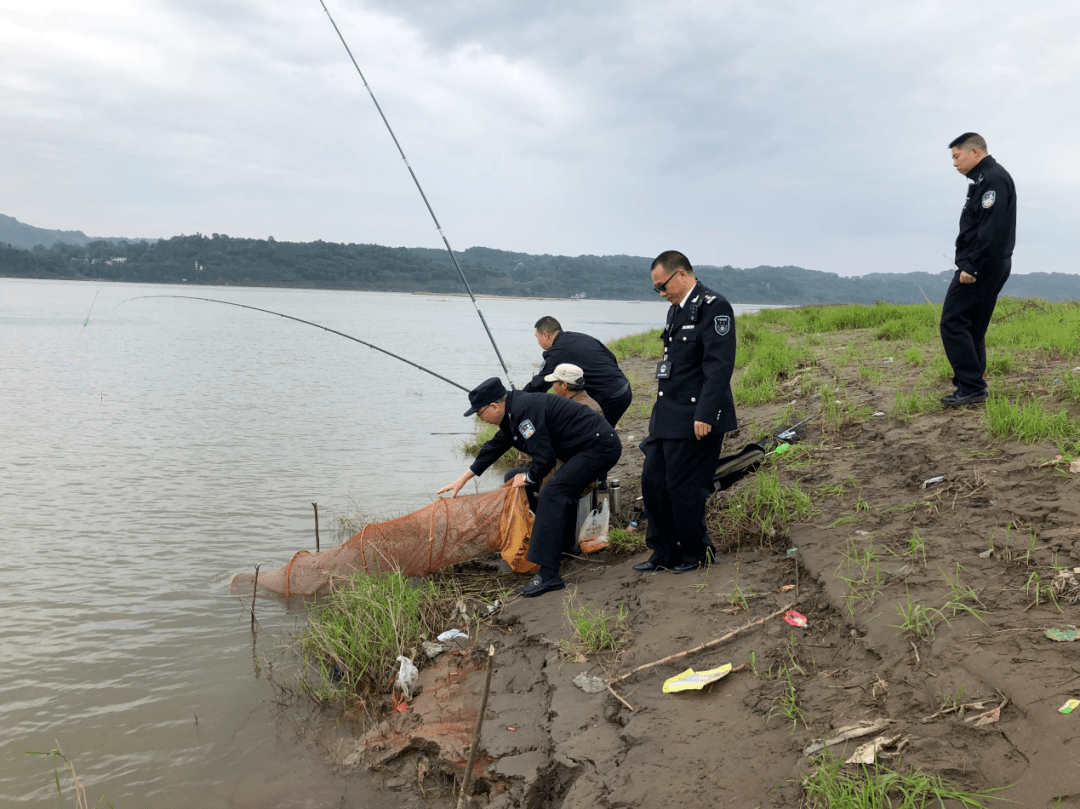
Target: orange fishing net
444	533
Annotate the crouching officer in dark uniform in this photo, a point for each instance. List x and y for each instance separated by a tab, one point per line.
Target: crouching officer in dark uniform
548	428
694	408
984	250
603	378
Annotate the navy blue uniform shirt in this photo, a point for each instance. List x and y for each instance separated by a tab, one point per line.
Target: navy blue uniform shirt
546	427
699	354
604	378
988	221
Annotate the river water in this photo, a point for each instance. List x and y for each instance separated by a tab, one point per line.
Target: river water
149	455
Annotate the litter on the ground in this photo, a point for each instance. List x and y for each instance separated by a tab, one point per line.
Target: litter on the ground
867	753
879	414
792	552
450	634
888	359
847	732
691	680
987	718
1069	706
786	588
406	676
1063	634
987	553
931	481
433	650
794	618
588	684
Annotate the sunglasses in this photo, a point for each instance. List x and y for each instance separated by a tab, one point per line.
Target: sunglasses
661	288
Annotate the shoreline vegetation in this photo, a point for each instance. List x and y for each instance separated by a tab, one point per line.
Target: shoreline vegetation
929	550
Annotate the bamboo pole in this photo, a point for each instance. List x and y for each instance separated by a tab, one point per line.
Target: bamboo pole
703	646
254	590
316	507
476	733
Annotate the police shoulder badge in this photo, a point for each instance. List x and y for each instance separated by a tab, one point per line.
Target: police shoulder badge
526	429
988	198
722	324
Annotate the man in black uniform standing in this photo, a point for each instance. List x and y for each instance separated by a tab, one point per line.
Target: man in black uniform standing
694	408
984	250
604	379
548	428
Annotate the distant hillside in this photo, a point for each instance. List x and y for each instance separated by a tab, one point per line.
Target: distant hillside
17	234
219	259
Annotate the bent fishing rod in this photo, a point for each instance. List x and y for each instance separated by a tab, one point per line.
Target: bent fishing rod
309	323
431	211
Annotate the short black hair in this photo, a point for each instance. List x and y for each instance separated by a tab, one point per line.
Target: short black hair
672	261
969	141
548	325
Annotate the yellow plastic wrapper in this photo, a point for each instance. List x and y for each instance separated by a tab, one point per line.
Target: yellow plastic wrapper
691	680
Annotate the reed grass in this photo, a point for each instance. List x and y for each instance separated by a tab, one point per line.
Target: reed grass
354	635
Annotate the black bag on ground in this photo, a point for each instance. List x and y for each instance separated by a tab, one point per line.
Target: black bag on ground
736	465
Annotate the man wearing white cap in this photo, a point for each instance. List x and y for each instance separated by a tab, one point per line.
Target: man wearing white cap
568	381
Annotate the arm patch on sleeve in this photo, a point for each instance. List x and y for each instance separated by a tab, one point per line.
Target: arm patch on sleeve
722	324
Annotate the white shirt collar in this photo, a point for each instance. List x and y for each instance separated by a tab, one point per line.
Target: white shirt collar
682	303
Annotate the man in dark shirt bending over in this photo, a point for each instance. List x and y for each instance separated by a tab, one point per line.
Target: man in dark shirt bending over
604	380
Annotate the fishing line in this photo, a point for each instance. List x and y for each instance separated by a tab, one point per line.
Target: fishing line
75	350
91	309
309	323
431	211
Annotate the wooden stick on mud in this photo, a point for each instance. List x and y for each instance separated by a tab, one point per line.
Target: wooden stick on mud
316	507
702	647
254	590
476	733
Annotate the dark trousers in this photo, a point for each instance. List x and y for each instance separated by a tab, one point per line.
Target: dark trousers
676	480
556	509
965	317
615	406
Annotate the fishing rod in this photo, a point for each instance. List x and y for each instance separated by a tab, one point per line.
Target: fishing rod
431	211
309	323
91	309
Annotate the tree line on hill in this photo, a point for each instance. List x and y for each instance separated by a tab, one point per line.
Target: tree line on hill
219	259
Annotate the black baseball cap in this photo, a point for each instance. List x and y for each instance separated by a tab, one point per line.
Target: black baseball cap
488	391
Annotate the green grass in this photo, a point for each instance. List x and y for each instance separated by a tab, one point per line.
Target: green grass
908	404
354	634
766	360
786	704
595	629
761	506
483	432
646	345
835	786
1029	421
917	620
623	541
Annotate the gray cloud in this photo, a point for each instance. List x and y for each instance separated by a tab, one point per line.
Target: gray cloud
771	133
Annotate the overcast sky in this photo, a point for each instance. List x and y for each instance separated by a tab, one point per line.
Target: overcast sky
742	133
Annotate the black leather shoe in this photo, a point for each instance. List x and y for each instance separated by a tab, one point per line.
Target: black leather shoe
958	399
686	567
574	551
537	587
649	567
